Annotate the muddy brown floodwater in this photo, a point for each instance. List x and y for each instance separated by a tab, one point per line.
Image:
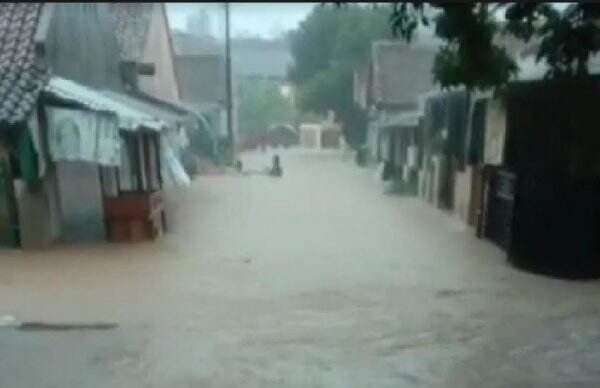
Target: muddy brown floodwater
315	279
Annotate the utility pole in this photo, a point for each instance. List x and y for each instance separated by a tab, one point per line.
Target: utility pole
230	155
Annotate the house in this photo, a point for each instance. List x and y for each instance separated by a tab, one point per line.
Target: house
200	72
260	58
145	42
130	179
69	149
17	101
389	89
326	134
143	36
474	137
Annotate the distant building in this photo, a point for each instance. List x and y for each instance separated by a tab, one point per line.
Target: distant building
142	33
199	24
389	88
324	135
200	71
260	58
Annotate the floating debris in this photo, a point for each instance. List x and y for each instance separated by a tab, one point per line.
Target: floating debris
42	326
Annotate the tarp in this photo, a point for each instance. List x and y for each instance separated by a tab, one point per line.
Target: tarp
172	171
130	118
83	135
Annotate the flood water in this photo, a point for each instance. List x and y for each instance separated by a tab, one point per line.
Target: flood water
315	279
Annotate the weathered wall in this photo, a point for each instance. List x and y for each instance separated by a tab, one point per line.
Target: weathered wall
200	78
495	132
82	45
310	136
80	201
462	193
39	213
163	83
8	236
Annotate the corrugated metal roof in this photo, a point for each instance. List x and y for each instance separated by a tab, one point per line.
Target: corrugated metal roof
152	110
130	118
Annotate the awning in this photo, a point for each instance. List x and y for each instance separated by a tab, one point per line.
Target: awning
172	171
130	118
174	114
153	110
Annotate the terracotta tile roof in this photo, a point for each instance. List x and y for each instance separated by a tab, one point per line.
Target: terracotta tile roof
22	76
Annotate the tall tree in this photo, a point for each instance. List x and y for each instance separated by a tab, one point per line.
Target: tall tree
261	104
470	57
326	48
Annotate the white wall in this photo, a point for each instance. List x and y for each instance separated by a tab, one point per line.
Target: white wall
495	132
162	84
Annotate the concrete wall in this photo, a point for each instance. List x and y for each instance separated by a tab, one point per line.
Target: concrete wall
310	136
462	193
80	198
495	133
163	83
7	206
200	78
82	45
372	142
39	213
396	87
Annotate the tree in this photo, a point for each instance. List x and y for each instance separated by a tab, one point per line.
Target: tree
567	39
469	55
327	46
261	104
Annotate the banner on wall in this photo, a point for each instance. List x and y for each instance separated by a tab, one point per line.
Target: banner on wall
83	135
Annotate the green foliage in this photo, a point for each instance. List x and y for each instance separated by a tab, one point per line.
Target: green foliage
312	43
567	40
327	89
470	58
326	48
261	105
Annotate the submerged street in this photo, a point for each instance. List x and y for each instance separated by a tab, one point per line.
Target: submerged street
316	279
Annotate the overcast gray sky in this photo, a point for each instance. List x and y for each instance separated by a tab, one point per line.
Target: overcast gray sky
258	19
262	19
